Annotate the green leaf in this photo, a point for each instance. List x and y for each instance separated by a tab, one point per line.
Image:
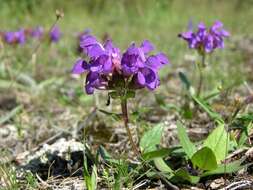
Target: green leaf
151	138
187	145
217	141
208	109
157	153
86	175
94	178
244	135
115	116
184	175
162	166
11	114
106	156
229	168
204	159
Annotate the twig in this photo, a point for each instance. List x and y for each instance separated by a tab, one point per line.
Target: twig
238	185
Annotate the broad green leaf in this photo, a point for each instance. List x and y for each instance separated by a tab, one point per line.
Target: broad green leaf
151	138
204	159
157	153
185	176
208	109
217	141
187	145
162	166
229	168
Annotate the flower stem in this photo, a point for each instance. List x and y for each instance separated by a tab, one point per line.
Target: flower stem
200	82
126	121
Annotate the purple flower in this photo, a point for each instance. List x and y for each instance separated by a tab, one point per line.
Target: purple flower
55	34
206	40
17	37
107	69
94	81
137	62
37	32
147	77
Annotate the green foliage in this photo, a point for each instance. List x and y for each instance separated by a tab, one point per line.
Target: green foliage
204	159
218	142
225	168
90	179
151	138
157	153
31	181
11	114
187	145
183	175
162	166
204	105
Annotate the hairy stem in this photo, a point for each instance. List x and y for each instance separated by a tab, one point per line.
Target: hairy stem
200	67
126	121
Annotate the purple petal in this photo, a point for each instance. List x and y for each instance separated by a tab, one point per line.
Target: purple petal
89	89
146	46
87	40
225	33
95	51
141	78
79	67
186	35
162	58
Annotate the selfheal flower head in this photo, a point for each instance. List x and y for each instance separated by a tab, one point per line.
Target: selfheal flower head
55	34
107	69
206	40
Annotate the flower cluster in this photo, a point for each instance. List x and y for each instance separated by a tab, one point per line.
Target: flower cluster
37	32
108	69
206	40
15	37
21	36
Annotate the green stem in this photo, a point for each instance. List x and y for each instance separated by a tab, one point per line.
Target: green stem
200	82
126	121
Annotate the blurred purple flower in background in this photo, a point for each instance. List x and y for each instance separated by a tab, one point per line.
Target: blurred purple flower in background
17	37
55	34
106	67
37	32
206	40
